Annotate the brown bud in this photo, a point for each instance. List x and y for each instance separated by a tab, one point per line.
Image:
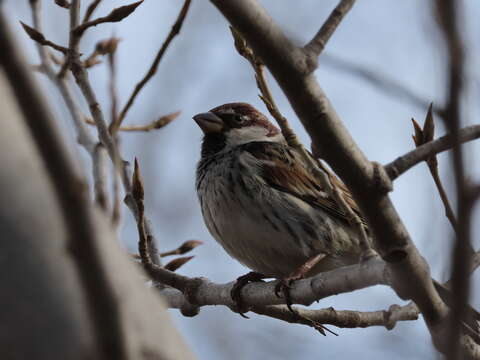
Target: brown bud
166	119
177	263
189	246
137	184
34	34
429	126
107	46
122	12
418	137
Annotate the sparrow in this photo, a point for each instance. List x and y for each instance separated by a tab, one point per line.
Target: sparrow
261	203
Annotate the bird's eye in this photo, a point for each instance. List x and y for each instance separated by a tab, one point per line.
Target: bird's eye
233	119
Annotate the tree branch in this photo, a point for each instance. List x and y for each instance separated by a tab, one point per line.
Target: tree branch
447	18
90	10
116	15
403	163
153	68
317	44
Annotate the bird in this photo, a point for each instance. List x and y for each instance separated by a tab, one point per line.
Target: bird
261	203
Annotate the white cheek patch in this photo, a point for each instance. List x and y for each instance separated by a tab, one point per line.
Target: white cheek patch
251	133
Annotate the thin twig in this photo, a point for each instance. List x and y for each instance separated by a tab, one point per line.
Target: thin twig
37	36
423	136
116	15
153	68
73	40
317	44
84	137
403	163
90	10
341	318
154	125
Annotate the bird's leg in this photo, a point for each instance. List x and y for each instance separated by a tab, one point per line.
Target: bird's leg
283	285
236	292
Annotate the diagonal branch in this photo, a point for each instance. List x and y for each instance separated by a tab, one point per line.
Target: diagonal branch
317	44
153	68
37	36
403	163
423	136
90	10
115	15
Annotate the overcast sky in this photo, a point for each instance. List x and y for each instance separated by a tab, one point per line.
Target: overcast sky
395	39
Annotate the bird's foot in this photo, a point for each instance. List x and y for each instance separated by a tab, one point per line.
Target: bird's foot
283	286
236	292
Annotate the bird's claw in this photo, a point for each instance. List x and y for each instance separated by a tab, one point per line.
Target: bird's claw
282	289
236	292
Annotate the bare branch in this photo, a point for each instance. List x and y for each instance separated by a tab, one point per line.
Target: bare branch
421	137
153	68
116	15
90	10
154	125
342	318
202	292
403	163
84	137
317	44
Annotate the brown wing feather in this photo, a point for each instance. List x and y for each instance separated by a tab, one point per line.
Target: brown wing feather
283	170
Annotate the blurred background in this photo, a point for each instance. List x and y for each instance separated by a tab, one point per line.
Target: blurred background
395	40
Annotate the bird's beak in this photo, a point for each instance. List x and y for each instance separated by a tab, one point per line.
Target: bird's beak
209	122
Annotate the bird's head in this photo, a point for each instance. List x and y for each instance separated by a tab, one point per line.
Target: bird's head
234	124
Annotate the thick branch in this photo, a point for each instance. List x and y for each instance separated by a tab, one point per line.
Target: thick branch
71	191
368	183
403	163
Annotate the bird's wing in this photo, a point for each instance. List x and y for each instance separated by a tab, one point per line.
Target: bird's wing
282	169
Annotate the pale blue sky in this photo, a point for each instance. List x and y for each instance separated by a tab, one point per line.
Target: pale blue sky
201	70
